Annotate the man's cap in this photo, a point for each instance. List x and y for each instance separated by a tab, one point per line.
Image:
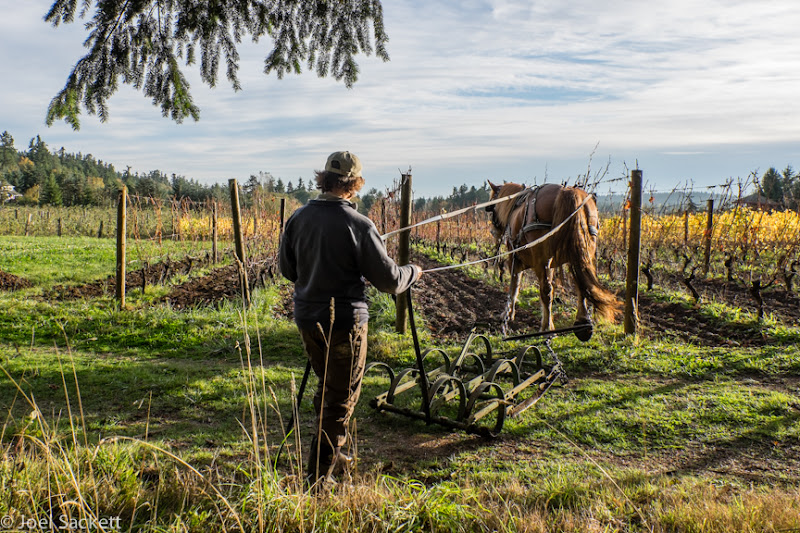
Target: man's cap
345	164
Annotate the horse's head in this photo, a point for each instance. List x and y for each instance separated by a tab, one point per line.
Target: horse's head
501	211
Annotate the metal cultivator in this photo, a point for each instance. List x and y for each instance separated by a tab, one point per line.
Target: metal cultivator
476	390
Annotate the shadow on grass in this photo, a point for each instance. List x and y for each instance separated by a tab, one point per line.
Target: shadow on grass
198	399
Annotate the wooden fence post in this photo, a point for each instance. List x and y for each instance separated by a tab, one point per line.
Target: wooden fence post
707	236
237	234
403	254
214	232
283	214
634	248
383	216
122	223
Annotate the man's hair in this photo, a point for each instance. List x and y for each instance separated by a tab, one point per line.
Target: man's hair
330	181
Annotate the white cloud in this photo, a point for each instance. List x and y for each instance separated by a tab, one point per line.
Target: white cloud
474	90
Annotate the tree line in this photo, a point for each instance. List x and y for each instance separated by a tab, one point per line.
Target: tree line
59	178
40	176
44	177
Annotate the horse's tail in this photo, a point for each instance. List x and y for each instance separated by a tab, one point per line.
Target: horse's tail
578	242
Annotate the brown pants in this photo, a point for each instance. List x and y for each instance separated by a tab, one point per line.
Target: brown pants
340	386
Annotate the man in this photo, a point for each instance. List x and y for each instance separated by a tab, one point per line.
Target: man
328	250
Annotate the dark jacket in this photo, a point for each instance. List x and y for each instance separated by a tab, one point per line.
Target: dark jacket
327	250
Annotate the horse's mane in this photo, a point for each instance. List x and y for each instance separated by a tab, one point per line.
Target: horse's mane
504	209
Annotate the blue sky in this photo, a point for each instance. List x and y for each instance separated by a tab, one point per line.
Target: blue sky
692	91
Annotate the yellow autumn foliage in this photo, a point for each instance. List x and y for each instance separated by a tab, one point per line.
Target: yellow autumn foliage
735	229
199	226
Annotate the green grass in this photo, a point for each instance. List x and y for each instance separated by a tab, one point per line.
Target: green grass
172	421
48	261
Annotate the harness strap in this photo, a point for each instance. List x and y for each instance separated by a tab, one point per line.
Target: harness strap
530	218
534	226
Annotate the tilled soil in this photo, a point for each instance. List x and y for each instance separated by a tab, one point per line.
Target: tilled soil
453	304
690	323
222	284
149	274
10	282
784	304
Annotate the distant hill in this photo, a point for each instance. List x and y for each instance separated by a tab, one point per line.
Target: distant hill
608	203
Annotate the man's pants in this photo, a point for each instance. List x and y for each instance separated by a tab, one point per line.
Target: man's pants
340	384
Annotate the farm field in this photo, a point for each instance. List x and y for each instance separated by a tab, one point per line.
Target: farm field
168	414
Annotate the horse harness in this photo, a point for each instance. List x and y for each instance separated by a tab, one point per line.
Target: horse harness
530	218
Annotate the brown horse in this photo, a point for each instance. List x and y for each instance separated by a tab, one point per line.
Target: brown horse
531	215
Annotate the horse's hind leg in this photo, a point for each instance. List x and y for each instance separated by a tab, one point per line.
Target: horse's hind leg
545	276
583	310
511	305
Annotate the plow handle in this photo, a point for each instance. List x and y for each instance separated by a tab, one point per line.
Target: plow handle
300	392
290	425
423	377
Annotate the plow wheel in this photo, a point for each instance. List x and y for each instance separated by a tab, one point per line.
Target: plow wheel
503	367
380	366
470	360
442	394
488	402
524	357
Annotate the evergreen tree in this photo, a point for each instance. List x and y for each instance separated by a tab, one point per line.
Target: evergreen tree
252	184
301	193
772	185
39	154
73	189
50	193
143	44
8	154
370	198
791	187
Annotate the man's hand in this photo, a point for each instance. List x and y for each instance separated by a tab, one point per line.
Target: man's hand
419	272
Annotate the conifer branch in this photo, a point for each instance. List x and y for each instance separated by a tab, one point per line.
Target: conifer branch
144	42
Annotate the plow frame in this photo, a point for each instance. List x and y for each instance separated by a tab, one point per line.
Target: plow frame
483	384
